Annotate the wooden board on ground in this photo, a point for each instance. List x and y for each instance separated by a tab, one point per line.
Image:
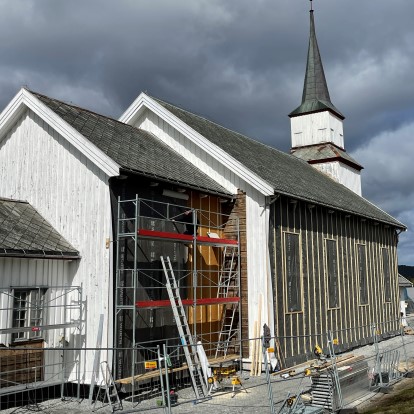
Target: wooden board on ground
156	373
402	366
340	361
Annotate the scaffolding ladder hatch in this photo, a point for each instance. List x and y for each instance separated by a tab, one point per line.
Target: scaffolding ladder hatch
185	238
186	302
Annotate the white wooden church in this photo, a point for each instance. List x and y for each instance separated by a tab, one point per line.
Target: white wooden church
314	255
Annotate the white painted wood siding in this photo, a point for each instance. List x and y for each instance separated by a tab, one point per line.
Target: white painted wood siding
50	274
40	166
316	128
258	265
166	133
343	174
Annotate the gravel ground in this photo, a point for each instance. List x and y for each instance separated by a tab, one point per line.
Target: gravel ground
251	398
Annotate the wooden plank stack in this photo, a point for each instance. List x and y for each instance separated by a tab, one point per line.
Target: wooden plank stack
21	366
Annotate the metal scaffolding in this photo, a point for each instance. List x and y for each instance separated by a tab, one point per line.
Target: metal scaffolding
204	249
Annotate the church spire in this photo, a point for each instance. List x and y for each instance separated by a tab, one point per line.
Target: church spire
315	97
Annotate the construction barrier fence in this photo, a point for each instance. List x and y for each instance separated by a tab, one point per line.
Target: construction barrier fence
330	380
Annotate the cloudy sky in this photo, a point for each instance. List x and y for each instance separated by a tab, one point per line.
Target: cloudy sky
238	62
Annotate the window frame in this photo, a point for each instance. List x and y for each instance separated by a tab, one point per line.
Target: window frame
28	312
300	274
327	278
384	281
358	273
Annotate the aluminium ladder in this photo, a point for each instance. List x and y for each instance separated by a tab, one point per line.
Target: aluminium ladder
190	350
227	285
108	386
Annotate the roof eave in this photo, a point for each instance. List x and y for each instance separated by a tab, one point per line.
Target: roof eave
391	223
338	159
299	112
22	254
225	193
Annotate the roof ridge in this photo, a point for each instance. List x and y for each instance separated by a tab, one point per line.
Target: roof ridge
219	125
82	109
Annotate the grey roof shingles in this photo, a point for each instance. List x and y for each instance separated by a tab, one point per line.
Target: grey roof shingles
24	232
287	174
132	148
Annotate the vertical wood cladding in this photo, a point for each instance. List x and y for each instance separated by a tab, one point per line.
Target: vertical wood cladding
348	277
238	213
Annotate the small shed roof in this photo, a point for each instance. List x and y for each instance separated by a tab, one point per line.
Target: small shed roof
404	282
25	233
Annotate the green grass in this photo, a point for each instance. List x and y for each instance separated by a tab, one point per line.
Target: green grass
402	402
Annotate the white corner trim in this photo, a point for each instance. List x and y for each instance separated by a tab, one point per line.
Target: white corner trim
25	98
216	152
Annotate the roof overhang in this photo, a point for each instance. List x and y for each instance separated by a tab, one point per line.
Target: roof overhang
28	254
337	159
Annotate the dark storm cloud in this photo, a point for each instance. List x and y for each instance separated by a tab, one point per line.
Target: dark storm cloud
238	62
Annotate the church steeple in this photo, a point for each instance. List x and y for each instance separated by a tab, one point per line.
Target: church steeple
315	97
317	125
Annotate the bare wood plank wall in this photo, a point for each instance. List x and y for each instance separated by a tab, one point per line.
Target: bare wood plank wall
239	211
351	320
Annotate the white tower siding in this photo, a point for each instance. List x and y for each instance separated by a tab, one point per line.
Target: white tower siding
340	172
317	128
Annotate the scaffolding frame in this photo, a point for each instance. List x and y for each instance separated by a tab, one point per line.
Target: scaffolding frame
49	304
132	224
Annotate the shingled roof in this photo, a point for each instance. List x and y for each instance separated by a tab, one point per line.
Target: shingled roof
25	233
287	174
324	153
132	148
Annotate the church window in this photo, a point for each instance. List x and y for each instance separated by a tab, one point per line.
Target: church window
362	274
332	273
293	272
386	274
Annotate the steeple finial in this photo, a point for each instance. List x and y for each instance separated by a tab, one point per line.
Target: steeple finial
315	97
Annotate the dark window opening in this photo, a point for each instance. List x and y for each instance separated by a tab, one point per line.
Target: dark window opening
386	274
332	273
292	270
362	275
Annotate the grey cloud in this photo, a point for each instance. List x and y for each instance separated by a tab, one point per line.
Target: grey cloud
238	62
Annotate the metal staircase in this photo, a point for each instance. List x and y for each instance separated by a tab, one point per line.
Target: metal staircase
108	388
227	287
190	349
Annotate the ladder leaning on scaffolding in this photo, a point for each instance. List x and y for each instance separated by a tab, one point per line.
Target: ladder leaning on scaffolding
190	350
227	286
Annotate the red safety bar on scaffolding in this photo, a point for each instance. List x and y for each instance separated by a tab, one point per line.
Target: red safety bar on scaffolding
186	238
186	302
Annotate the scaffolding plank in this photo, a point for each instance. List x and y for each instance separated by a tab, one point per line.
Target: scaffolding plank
185	238
186	302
